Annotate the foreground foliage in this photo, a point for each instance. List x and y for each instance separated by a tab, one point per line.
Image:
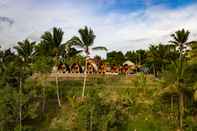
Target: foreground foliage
163	99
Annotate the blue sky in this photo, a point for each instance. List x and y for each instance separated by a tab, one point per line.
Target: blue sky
118	24
133	5
123	6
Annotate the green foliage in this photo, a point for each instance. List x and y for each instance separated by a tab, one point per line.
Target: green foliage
112	106
190	74
42	64
9	106
115	58
51	42
115	103
75	59
138	56
140	80
25	50
85	41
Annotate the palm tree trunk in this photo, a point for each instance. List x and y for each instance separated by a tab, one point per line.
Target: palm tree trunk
20	105
44	100
181	112
85	77
181	101
56	80
57	90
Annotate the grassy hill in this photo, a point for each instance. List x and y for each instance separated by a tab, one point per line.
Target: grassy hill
113	104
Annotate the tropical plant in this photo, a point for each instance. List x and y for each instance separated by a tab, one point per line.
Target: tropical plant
25	50
13	76
132	56
52	41
115	58
140	81
85	41
141	56
180	40
41	68
159	56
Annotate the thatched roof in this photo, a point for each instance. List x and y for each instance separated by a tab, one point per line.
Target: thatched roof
129	63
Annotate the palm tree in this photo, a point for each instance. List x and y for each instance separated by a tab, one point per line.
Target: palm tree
141	56
69	53
25	50
180	40
159	56
155	58
85	41
52	43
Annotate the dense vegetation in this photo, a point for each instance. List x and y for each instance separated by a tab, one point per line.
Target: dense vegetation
163	99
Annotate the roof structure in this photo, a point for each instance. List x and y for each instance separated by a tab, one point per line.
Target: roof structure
129	63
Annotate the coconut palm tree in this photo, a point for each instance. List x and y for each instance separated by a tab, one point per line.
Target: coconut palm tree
180	40
52	43
156	57
85	41
159	56
25	50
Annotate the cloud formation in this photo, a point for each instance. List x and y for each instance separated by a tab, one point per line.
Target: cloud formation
117	31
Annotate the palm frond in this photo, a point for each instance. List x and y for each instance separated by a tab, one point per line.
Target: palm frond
87	36
54	38
47	36
174	36
75	41
57	36
25	49
191	42
174	42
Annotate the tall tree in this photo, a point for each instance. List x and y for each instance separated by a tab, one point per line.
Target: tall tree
115	58
25	50
157	58
85	41
160	56
141	56
132	56
180	40
52	41
16	70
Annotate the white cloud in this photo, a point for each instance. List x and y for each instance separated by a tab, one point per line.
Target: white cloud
115	30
